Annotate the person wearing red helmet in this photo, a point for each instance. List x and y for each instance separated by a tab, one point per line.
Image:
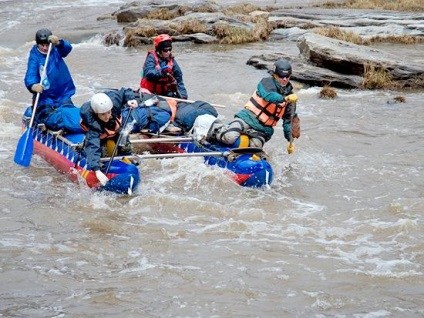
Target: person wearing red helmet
161	73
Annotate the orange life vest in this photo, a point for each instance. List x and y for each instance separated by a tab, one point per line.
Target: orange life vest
267	113
161	86
107	133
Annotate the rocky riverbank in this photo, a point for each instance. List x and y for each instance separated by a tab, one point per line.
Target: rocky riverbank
321	61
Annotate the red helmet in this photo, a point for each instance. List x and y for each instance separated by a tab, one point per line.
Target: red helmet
161	38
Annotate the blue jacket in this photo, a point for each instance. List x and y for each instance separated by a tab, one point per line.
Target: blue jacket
62	87
92	145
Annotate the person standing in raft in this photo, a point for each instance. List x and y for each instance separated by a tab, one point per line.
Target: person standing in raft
55	108
161	73
254	125
101	119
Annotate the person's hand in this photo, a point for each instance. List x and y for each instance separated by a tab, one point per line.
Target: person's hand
37	88
53	39
165	70
101	177
292	98
132	103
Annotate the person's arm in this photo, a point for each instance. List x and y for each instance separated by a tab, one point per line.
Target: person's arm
149	70
32	75
92	136
121	97
267	89
64	48
178	75
92	149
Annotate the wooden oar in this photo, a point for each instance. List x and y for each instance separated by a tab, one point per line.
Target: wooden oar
25	145
191	101
291	146
97	87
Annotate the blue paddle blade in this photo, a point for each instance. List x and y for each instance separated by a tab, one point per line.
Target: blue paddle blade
24	149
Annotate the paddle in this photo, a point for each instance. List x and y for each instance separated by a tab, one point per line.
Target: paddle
97	87
25	146
291	146
147	103
191	101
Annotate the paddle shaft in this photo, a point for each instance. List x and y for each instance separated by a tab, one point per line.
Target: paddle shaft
191	101
177	99
290	147
37	98
118	141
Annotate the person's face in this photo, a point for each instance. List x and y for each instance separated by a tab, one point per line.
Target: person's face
105	117
43	48
283	81
166	52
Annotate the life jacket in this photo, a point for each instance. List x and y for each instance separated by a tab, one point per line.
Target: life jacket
164	84
267	113
106	132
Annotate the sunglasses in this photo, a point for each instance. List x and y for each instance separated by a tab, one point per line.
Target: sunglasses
168	49
284	76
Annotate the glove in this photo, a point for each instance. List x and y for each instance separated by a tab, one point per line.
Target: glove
132	103
101	177
37	88
295	129
292	98
165	70
53	39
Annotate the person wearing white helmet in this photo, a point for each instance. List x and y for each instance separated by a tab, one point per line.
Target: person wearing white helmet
101	119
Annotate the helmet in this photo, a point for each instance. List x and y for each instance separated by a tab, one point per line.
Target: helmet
42	36
101	103
282	68
162	38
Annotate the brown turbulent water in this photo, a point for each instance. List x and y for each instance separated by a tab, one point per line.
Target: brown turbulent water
338	234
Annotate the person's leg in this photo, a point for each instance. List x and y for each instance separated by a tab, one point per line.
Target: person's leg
228	134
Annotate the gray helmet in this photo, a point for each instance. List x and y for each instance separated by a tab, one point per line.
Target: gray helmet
282	68
42	36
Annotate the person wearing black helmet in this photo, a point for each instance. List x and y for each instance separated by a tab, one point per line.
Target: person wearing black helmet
161	73
55	108
272	100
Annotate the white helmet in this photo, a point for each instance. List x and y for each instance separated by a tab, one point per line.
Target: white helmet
101	103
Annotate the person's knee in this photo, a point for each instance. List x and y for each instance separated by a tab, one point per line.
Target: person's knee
228	137
256	142
230	133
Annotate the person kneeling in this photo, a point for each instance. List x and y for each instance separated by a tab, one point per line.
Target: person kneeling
101	119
